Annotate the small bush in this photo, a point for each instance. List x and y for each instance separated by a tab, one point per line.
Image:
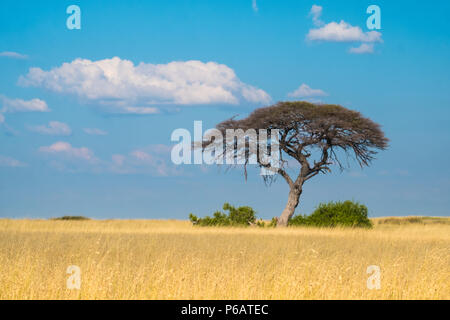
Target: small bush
333	214
298	220
242	216
71	218
273	222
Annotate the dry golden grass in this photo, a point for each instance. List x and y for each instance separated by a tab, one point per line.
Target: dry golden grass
150	259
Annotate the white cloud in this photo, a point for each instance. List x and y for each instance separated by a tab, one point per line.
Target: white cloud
363	48
254	6
14	55
121	85
139	110
64	157
153	160
10	162
53	128
315	13
2	118
66	149
95	131
305	91
20	105
343	32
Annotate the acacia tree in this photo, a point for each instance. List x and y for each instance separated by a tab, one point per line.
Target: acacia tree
316	136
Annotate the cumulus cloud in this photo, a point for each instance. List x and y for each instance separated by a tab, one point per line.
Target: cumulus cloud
65	149
315	13
129	88
20	105
363	48
14	55
95	131
10	162
53	128
343	32
305	91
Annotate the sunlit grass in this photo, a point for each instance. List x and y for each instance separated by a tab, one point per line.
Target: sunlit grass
169	259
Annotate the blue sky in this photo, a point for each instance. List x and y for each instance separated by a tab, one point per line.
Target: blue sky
86	115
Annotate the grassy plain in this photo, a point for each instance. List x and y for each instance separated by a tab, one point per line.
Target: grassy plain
169	259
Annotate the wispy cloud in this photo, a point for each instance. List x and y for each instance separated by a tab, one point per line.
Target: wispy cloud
315	13
153	160
254	6
127	88
139	110
66	158
13	55
10	162
305	91
67	150
363	48
95	131
53	128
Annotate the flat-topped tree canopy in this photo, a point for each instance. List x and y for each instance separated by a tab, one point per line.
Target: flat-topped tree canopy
306	128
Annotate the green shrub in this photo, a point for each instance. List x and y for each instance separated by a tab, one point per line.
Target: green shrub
273	222
242	216
71	218
333	214
260	223
298	220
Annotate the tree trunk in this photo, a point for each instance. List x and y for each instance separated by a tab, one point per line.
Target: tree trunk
288	212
